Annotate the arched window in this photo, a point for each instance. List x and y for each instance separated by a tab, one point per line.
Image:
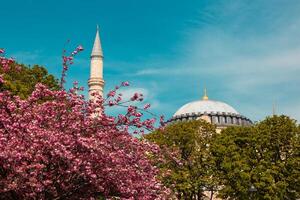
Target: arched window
222	119
215	119
229	121
234	120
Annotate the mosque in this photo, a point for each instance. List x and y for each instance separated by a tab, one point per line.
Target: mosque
217	112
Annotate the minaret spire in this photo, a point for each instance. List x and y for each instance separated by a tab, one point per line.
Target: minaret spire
96	82
97	49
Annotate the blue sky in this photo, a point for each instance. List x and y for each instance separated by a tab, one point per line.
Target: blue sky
247	53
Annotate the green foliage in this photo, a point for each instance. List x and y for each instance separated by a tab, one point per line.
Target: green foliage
20	80
187	167
266	155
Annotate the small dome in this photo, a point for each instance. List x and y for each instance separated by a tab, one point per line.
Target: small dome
205	106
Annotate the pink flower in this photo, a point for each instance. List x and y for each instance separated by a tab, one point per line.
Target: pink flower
138	114
126	83
111	93
111	103
79	48
135	97
147	106
1	79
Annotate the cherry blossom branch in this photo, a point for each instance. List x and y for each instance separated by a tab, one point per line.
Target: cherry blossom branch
66	62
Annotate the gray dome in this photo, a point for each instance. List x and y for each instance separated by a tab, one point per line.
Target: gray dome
205	106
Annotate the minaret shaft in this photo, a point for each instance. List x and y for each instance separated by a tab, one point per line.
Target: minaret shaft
96	82
96	68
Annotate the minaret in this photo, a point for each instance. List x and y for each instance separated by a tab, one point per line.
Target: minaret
96	82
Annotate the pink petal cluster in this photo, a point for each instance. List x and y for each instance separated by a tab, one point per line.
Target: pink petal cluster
53	146
5	62
137	97
125	83
57	145
147	106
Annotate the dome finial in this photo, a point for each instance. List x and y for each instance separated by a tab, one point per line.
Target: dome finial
205	97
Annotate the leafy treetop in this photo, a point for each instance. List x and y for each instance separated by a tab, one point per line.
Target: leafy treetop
20	79
187	165
266	156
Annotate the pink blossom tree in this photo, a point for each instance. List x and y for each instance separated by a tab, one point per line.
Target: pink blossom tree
54	146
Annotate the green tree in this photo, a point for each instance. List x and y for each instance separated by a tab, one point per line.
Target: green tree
20	79
187	166
266	156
